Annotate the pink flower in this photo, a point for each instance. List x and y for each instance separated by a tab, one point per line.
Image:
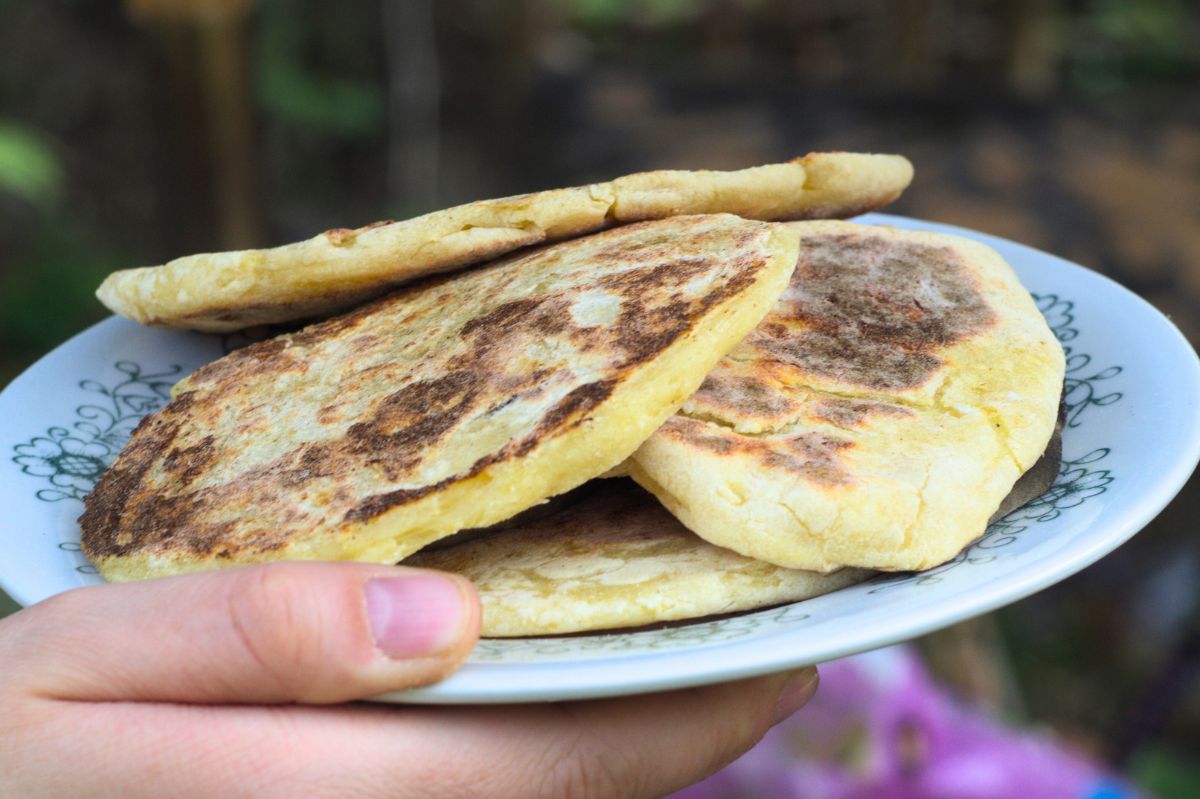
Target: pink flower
880	728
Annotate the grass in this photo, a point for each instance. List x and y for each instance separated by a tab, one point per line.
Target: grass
7	606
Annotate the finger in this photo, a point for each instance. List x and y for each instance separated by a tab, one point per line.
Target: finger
629	747
284	632
642	746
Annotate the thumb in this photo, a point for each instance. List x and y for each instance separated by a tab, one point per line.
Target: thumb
283	632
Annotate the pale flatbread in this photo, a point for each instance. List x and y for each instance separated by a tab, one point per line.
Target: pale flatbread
452	404
341	268
614	558
876	417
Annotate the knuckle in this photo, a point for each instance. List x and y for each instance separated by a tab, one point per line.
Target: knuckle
265	610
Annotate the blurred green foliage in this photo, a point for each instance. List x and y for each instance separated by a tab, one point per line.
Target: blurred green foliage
1117	42
46	291
610	12
295	93
1166	775
1146	30
28	168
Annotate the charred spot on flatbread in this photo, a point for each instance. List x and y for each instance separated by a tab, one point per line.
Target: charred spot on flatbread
873	311
809	455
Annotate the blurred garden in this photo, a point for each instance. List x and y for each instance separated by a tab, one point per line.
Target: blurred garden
133	133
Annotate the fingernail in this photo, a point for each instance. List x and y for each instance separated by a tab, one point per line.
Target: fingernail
416	615
795	693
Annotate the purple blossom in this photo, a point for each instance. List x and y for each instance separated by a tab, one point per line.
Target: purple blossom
880	728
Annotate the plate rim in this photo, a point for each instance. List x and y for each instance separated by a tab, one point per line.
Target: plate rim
493	682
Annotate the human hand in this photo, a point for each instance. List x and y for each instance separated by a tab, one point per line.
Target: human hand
226	684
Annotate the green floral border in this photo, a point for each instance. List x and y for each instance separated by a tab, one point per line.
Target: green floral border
1081	390
71	459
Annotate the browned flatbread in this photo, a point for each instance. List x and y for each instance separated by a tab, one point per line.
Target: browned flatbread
341	268
452	404
613	558
878	415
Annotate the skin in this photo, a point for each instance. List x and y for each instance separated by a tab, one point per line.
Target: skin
236	683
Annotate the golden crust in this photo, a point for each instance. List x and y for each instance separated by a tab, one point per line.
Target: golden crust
614	558
341	268
876	417
452	404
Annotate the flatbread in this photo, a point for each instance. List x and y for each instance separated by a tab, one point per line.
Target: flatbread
338	269
876	417
1041	476
452	404
614	558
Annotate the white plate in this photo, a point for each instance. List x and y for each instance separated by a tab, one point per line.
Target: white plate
1133	437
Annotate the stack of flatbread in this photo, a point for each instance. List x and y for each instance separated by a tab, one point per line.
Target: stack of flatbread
798	403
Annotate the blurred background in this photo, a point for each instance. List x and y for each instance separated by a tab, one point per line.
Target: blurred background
132	133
